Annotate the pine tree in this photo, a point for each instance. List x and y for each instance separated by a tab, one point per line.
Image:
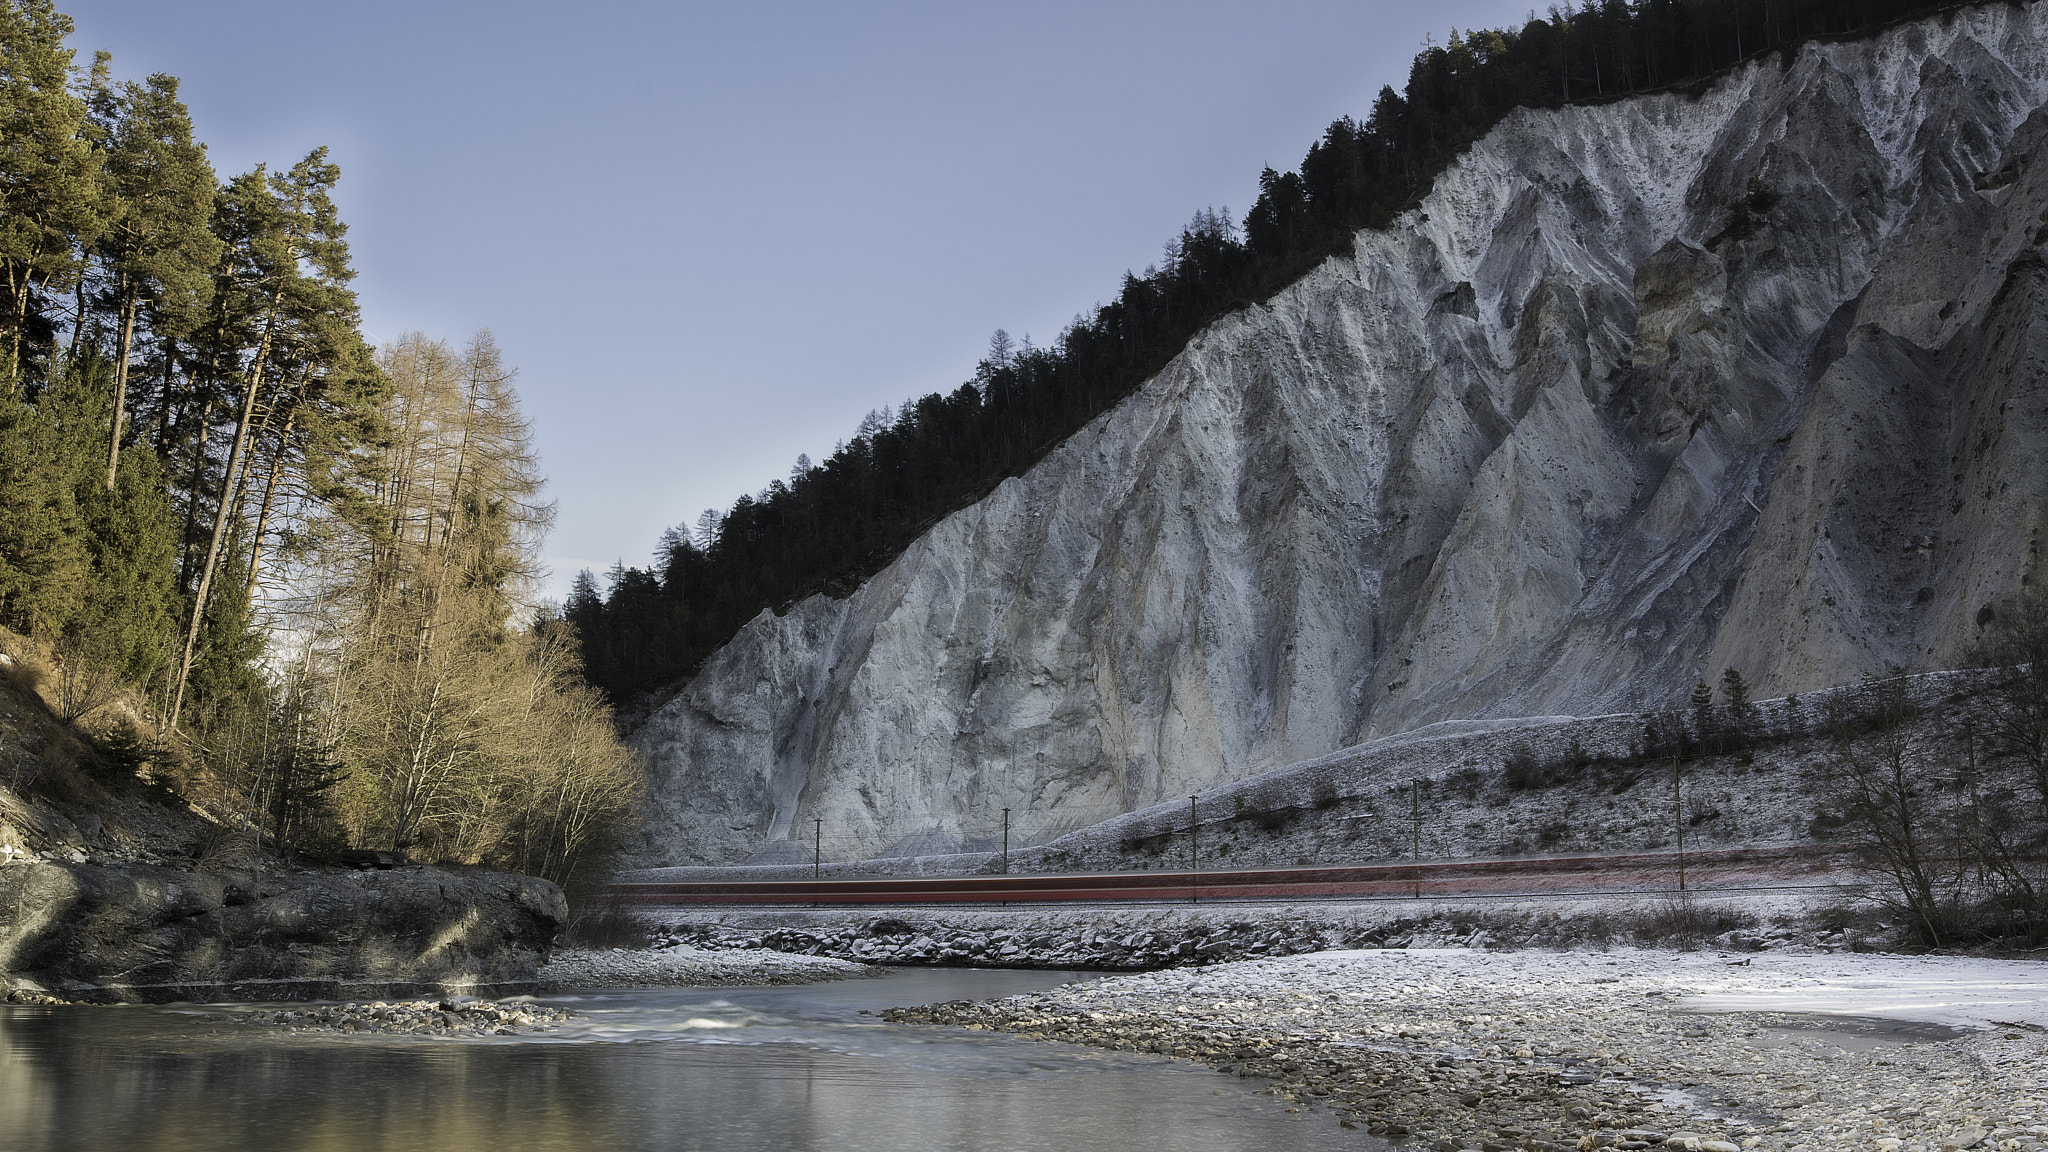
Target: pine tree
132	544
1735	690
159	245
285	277
43	564
50	198
119	621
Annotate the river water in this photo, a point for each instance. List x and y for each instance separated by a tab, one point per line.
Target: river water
785	1069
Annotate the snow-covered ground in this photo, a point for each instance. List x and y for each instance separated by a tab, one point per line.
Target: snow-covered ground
1955	990
1959	991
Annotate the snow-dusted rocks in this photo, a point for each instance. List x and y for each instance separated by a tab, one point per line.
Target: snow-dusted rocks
670	964
1749	378
1629	1050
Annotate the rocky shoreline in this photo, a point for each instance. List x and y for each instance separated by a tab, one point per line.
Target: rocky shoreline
414	1018
1139	938
671	964
146	934
1547	1051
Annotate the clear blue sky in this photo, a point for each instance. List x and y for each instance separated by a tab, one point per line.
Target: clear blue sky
712	236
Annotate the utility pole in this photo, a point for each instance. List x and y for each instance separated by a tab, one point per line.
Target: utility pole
817	858
1678	822
1194	856
1415	831
1976	842
1006	841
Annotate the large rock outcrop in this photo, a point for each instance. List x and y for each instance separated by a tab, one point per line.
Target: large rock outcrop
135	932
1750	377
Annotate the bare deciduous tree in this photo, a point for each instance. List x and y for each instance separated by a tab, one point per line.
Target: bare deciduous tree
466	735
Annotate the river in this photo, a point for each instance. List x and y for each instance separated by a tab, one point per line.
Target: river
781	1069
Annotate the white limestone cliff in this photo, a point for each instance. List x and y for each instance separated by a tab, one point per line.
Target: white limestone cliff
1750	378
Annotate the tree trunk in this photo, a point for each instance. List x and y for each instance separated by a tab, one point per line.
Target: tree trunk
192	501
263	510
18	300
77	321
220	513
163	411
120	387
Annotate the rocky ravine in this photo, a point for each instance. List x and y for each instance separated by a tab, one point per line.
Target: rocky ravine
1749	377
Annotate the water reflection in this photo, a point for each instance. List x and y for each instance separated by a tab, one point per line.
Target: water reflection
732	1069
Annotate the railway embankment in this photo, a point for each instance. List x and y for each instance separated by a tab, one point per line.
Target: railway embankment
1142	937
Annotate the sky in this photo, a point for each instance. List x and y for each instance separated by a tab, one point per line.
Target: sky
713	236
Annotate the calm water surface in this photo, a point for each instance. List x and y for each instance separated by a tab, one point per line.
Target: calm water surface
786	1069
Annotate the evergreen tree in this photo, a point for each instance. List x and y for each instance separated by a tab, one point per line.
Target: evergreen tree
284	274
133	547
49	176
123	622
1735	690
159	246
1701	698
43	562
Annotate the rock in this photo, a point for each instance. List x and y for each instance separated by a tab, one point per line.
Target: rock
1345	513
1964	1138
140	933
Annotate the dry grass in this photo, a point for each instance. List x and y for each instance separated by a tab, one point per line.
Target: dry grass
605	924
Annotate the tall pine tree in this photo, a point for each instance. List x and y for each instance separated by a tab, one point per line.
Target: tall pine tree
285	276
158	247
50	202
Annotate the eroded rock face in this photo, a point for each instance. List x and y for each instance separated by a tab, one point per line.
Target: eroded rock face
140	933
1746	379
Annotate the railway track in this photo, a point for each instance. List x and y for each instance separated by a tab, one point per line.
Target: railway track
1726	869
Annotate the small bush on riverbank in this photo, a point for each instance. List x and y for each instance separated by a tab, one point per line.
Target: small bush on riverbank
1687	924
603	924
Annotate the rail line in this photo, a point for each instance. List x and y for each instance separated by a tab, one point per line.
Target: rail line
1723	870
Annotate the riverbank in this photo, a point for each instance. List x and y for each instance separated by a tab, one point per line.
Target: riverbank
681	965
139	933
1628	1048
1142	937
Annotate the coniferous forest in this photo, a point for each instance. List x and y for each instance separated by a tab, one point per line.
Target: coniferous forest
831	525
255	560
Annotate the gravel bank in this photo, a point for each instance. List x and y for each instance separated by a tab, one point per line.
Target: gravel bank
679	965
1545	1051
1126	938
416	1018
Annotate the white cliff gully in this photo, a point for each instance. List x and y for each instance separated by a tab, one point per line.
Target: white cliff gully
1749	378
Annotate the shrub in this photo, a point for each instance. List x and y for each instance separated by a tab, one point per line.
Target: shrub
1521	772
606	924
1686	923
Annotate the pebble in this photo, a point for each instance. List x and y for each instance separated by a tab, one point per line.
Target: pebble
673	964
1143	938
1543	1052
415	1017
